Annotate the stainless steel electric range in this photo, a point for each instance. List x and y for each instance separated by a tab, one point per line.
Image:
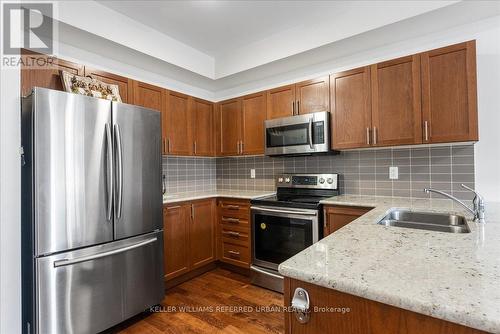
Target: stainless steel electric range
287	223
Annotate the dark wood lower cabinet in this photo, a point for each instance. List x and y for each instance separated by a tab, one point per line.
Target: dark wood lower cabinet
202	233
189	236
175	241
337	216
364	315
234	237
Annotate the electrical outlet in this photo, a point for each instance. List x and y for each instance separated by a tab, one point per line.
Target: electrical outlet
252	173
393	173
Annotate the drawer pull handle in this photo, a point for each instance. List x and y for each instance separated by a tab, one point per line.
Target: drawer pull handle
231	207
230	220
234	253
233	234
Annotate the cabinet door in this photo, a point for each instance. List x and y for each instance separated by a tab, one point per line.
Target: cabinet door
312	96
176	241
202	233
148	96
339	216
203	127
230	127
396	112
124	84
179	124
281	102
153	97
46	77
351	108
449	98
253	115
364	315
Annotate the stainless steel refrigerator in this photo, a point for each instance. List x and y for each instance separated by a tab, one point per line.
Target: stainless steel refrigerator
91	212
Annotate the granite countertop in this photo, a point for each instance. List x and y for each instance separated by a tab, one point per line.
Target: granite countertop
455	277
242	194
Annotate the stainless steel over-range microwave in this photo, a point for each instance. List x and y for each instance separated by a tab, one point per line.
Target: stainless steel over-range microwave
302	134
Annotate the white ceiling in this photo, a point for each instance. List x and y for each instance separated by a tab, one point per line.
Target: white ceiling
217	27
240	35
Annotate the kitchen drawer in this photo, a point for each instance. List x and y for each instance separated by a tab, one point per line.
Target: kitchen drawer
234	221
239	236
234	208
236	254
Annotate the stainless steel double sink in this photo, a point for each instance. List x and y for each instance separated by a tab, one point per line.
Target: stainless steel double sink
426	221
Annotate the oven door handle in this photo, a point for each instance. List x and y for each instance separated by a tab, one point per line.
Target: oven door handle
302	213
252	267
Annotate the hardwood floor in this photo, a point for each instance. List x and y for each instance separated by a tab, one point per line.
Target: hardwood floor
203	299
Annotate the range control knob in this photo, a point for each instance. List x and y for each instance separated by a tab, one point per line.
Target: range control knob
280	179
287	179
330	180
321	180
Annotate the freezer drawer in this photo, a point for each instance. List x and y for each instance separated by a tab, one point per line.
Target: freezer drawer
89	290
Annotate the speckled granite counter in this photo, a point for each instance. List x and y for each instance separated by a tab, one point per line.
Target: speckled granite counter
455	277
243	194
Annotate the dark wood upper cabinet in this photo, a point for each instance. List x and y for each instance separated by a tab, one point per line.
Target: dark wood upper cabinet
125	85
350	95
176	240
178	124
47	77
312	96
424	98
148	96
230	127
449	97
396	109
153	97
253	116
301	98
203	119
202	233
281	102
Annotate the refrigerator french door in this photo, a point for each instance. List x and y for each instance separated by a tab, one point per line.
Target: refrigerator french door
137	134
91	219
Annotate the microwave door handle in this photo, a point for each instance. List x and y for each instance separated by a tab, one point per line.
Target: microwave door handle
310	133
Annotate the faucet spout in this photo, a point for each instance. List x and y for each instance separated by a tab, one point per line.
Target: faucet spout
477	211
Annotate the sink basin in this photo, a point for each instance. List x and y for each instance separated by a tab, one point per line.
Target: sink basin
426	221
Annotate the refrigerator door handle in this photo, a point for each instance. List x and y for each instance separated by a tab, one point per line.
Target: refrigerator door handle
109	157
119	172
68	262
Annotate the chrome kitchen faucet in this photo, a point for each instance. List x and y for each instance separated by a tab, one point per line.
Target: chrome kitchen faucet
478	207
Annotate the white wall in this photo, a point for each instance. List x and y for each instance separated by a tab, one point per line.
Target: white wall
487	150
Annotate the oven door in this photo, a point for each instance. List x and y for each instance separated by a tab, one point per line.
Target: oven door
302	134
280	233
